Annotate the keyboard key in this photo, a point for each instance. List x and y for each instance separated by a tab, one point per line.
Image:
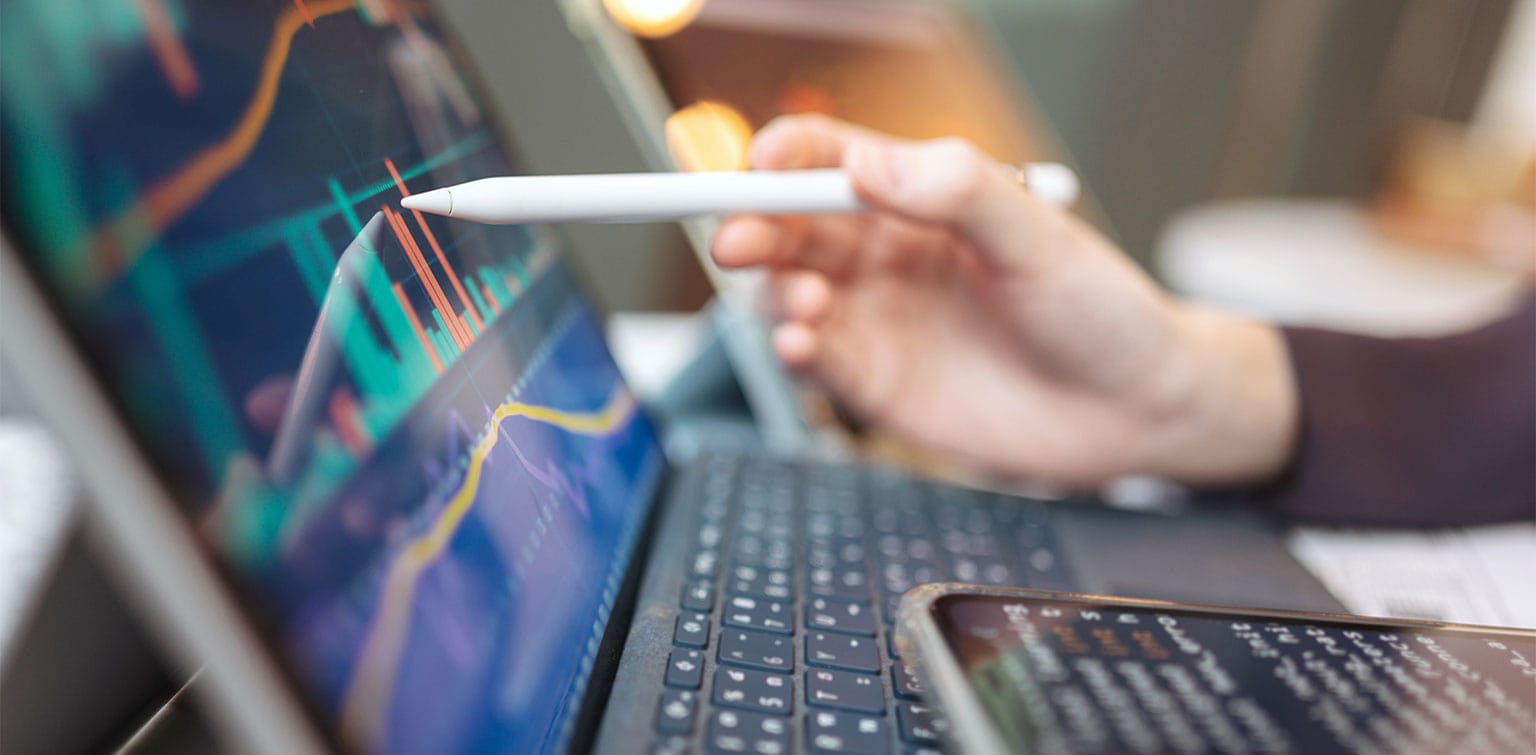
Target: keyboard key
759	590
739	731
919	548
1045	571
890	645
898	577
780	554
919	724
777	557
753	581
672	745
901	576
709	534
749	548
840	582
757	613
842	651
755	691
1031	535
997	572
982	570
699	595
769	652
851	552
675	715
692	630
753	522
842	732
903	683
840	616
715	508
685	669
844	689
704	564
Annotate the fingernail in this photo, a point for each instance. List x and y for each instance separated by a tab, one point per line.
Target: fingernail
874	167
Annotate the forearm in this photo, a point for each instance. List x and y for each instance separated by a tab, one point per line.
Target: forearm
1233	407
1414	431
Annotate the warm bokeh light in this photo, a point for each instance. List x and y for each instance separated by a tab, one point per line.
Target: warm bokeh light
709	136
800	98
653	18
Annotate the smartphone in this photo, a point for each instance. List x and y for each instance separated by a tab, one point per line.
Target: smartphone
1028	671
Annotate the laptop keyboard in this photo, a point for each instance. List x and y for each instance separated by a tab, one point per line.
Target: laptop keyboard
783	640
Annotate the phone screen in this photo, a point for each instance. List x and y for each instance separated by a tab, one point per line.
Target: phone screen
1066	676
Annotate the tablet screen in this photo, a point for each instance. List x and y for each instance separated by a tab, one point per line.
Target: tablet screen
401	435
1067	676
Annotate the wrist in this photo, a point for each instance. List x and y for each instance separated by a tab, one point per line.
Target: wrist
1231	410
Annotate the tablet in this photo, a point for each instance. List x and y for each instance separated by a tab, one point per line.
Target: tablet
1031	671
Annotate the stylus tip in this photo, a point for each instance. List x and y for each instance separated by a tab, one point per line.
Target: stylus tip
437	202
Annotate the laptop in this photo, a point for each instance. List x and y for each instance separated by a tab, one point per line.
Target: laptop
377	472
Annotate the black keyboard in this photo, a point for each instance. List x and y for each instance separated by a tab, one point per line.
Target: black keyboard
783	640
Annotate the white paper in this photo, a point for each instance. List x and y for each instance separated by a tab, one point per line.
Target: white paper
1478	575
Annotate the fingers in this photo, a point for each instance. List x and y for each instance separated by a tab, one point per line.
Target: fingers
796	344
753	240
802	296
950	181
825	243
946	183
802	300
801	142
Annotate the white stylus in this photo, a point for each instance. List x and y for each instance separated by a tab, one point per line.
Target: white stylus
640	197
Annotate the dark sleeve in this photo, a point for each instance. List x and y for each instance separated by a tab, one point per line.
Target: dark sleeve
1415	431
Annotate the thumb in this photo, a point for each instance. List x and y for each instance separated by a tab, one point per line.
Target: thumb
951	182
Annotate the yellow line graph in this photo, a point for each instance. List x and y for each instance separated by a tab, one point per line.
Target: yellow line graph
165	202
366	700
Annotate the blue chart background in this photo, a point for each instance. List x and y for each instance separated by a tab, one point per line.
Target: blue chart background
197	319
499	641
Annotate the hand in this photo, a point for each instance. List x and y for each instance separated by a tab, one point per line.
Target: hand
963	315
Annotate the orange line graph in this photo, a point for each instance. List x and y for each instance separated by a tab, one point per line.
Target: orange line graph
428	280
169	51
170	198
421	334
308	19
453	277
455	323
490	300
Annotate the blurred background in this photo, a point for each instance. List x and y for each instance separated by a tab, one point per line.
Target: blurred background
1243	150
